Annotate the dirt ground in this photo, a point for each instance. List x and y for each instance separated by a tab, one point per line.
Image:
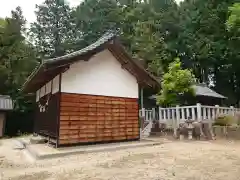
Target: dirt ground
196	160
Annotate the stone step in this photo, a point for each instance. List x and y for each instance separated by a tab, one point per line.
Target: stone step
161	130
156	133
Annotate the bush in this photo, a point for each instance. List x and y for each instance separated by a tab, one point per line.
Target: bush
224	120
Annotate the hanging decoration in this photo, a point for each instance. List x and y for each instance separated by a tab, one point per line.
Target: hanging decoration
43	107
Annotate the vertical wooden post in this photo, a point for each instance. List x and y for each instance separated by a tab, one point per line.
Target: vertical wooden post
164	114
153	114
160	114
217	110
143	112
188	114
199	112
204	113
213	113
193	114
209	113
177	114
232	111
183	113
59	108
176	121
142	120
168	114
141	98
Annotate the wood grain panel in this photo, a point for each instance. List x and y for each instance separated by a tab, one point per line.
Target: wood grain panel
87	118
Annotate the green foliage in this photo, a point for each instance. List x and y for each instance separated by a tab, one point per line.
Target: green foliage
205	45
176	83
143	34
54	31
151	49
233	22
2	23
149	35
225	120
94	17
17	59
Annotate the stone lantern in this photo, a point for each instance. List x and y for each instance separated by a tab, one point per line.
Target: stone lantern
189	127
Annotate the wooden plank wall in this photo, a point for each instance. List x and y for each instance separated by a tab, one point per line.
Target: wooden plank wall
88	118
45	123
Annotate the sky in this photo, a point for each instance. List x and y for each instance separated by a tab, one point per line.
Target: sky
28	7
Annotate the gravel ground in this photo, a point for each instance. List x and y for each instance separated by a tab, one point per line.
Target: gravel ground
196	160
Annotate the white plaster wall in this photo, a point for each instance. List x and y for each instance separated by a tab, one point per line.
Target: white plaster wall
37	95
101	75
50	87
42	91
55	84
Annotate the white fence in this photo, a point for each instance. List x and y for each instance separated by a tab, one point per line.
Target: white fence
147	114
197	112
175	115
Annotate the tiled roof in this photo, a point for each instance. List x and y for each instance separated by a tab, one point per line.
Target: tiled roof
202	90
105	38
6	103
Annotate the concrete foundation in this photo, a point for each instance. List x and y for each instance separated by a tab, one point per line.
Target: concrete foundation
43	151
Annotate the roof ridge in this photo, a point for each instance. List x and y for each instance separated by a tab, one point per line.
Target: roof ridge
104	38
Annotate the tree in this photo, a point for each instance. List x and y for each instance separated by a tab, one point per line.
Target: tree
176	83
143	34
195	31
2	23
94	18
54	31
17	58
149	46
150	35
233	22
205	45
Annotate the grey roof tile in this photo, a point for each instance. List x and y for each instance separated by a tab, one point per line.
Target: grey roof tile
201	90
105	38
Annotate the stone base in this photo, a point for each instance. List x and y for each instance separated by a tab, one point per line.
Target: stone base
207	131
229	132
201	130
37	140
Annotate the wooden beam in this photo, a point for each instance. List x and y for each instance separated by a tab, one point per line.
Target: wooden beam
141	97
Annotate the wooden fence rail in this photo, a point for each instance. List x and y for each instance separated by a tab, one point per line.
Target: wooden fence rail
197	112
173	116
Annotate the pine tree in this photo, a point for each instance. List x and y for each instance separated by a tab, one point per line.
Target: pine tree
53	31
